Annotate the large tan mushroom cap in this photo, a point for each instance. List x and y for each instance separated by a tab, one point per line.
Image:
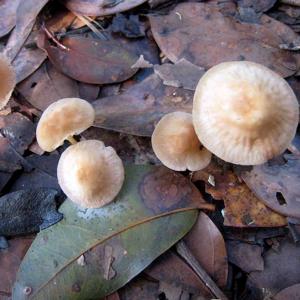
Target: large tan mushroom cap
7	80
63	119
176	144
90	174
244	113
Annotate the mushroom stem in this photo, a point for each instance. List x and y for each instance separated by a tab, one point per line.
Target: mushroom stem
71	140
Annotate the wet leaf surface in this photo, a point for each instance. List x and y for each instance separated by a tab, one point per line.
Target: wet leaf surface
10	260
277	185
7	15
146	103
46	86
246	256
242	208
200	33
282	269
207	245
91	60
28	211
100	7
291	293
112	238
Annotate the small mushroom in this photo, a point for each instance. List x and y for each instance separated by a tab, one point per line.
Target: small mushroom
176	144
61	120
90	174
244	113
7	82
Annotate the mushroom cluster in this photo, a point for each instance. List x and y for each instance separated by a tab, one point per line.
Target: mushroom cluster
89	173
243	112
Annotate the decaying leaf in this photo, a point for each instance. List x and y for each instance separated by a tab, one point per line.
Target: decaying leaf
207	245
282	269
10	260
277	185
28	211
200	33
129	27
242	208
290	293
46	86
128	232
146	102
100	7
181	74
8	10
91	60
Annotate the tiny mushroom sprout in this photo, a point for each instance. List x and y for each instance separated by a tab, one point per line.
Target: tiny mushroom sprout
176	144
7	80
244	113
90	174
61	120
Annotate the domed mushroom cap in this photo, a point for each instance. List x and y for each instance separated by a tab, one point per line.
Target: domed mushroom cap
90	174
63	119
244	113
176	144
7	80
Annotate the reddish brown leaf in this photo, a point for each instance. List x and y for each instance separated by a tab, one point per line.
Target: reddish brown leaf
289	293
277	185
100	7
208	247
200	33
88	91
46	86
146	102
242	208
91	60
8	10
10	260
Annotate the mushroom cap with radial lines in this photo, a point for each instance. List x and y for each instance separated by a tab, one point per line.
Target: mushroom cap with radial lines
244	113
90	174
176	144
63	119
7	80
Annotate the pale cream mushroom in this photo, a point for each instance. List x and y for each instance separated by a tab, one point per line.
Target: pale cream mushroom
63	119
90	174
244	113
7	80
176	144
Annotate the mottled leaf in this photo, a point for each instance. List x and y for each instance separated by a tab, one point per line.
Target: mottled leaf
93	252
7	15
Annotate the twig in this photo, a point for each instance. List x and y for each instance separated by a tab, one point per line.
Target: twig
54	39
291	2
186	254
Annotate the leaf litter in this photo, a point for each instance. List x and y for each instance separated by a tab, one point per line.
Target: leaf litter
136	61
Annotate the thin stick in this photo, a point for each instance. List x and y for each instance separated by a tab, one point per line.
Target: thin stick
54	39
186	254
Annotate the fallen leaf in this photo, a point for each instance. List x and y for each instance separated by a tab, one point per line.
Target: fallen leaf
141	63
8	10
258	6
146	102
27	12
173	292
200	33
181	74
88	91
46	86
207	245
91	60
246	256
290	293
28	211
282	269
130	27
171	269
100	7
10	260
152	198
277	185
242	208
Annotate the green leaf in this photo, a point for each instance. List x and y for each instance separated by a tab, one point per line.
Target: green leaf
93	252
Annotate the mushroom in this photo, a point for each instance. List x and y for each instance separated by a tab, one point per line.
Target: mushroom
61	120
8	80
176	144
90	174
244	113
